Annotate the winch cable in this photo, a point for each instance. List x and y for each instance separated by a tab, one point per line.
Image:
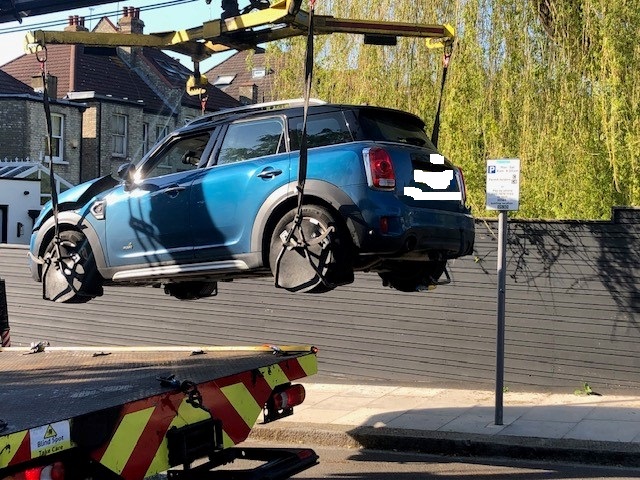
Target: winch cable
448	50
297	231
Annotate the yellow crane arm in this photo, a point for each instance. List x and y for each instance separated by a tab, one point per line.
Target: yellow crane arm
282	19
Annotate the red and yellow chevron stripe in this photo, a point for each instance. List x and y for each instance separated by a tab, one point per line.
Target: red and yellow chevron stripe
138	447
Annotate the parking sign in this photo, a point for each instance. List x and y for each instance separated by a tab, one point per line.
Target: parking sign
503	184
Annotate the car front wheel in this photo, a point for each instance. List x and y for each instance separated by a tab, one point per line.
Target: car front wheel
69	273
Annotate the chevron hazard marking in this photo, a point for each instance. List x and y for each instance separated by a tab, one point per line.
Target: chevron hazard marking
10	447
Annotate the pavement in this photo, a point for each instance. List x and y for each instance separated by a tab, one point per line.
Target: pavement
601	429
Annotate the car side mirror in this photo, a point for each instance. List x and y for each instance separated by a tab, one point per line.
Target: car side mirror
126	173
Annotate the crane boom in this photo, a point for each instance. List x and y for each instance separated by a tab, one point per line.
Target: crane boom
282	19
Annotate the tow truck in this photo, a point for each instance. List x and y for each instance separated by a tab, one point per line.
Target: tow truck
130	413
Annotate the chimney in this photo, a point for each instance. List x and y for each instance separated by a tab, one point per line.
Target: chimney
248	93
130	21
76	24
52	85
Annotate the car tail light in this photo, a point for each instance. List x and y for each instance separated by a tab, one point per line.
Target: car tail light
54	471
461	184
379	168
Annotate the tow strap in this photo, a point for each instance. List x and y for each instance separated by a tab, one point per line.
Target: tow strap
47	261
448	50
55	258
295	237
41	55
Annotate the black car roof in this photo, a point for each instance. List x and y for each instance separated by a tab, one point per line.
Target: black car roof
292	107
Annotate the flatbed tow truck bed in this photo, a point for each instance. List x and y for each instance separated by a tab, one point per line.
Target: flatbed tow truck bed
98	412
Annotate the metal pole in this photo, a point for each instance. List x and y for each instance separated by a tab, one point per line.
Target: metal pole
502	280
4	316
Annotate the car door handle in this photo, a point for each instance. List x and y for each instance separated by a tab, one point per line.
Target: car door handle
173	190
269	172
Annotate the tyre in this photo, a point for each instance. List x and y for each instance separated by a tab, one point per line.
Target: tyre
323	264
412	276
69	274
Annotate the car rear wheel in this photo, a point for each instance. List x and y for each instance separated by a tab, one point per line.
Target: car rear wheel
409	276
70	274
319	266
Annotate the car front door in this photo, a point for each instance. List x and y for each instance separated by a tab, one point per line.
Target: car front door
251	162
148	222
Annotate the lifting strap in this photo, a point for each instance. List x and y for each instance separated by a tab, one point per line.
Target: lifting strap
448	50
41	55
297	230
56	255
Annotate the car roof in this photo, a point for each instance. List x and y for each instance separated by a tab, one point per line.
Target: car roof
292	106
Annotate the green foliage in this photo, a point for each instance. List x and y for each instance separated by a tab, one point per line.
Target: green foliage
584	390
559	89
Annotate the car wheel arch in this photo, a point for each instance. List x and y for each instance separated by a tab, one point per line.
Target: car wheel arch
285	198
70	221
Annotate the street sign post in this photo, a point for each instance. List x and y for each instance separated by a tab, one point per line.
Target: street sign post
503	194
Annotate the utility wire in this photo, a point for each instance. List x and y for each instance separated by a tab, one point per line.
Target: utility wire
63	21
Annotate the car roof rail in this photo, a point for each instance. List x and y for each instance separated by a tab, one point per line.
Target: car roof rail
277	104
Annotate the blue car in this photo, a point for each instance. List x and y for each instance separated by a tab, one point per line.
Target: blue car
218	200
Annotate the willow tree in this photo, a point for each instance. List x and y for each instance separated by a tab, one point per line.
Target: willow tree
555	83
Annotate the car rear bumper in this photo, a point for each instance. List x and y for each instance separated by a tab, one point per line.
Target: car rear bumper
446	235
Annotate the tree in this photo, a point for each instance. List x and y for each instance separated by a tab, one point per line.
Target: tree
555	83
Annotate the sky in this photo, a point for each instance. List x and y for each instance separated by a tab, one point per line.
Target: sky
173	17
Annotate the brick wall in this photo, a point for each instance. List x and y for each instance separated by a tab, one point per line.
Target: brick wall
14	129
24	132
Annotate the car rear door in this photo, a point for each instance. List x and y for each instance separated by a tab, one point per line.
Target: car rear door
250	162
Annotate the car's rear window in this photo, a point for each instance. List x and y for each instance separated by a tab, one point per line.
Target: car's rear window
390	126
322	129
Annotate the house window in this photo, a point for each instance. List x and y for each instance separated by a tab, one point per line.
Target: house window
145	138
119	134
57	138
223	80
258	72
161	132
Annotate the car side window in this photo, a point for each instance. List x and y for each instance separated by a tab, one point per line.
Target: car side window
251	139
322	129
179	156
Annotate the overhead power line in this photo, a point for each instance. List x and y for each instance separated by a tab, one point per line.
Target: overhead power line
63	20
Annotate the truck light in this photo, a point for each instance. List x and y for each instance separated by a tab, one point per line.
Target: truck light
291	397
54	471
282	401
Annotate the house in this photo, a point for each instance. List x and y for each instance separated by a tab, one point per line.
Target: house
129	97
245	76
23	172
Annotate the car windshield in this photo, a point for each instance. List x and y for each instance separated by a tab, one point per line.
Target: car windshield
390	126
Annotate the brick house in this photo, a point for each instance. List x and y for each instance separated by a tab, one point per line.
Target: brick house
23	133
129	97
245	76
